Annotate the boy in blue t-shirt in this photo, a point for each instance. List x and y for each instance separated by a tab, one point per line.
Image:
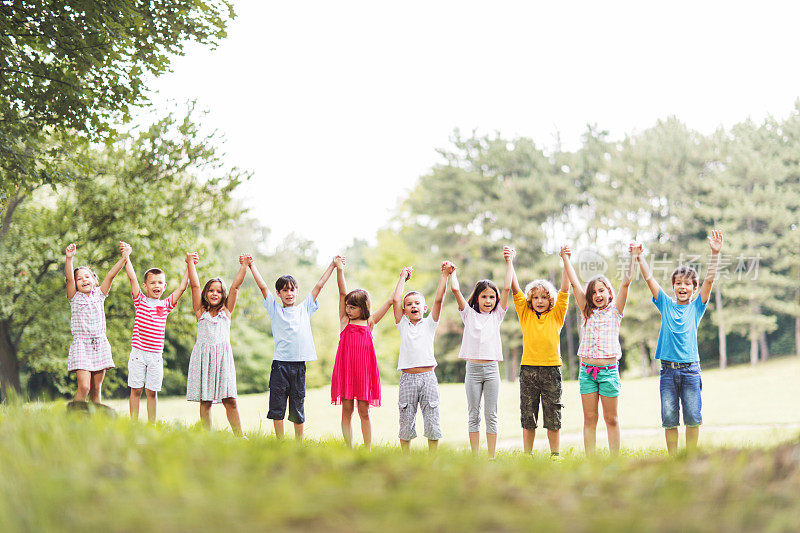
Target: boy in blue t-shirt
677	345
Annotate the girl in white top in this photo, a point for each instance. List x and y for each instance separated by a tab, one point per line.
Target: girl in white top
482	315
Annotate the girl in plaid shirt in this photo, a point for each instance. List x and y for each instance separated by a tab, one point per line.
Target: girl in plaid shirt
599	350
90	352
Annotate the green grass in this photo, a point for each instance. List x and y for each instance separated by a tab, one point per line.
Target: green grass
69	472
742	406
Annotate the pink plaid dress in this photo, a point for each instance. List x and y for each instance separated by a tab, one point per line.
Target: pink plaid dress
90	349
600	334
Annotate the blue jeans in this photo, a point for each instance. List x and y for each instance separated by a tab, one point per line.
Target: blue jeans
680	388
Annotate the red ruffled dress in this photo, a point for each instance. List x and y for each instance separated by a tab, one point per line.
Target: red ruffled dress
355	371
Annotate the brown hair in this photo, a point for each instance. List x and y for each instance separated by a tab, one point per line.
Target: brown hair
75	273
685	271
359	298
544	285
481	286
154	271
590	290
205	304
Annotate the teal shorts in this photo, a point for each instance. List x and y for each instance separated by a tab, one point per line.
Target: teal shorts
606	381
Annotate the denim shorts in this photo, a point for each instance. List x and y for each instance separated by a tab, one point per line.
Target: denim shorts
606	381
680	388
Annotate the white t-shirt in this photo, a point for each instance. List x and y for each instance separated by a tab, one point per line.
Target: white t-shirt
416	343
481	338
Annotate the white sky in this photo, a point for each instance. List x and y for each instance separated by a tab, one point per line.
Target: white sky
338	107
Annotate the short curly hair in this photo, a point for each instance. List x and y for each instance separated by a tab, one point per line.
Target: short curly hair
541	285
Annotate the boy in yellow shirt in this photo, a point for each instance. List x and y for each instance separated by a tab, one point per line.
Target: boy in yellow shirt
541	316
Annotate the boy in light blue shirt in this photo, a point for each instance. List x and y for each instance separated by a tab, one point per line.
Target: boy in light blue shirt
294	345
681	383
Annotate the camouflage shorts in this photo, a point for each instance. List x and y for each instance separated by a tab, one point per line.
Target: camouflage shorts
537	382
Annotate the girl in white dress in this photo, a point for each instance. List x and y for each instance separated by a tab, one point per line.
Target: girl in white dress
212	375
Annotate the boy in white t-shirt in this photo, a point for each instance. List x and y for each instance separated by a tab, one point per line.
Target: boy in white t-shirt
418	384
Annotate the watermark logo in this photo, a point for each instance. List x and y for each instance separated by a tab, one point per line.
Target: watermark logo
590	263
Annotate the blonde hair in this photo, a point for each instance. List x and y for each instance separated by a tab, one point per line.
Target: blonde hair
544	285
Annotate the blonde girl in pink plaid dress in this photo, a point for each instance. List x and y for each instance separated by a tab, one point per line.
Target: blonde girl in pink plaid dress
599	351
90	352
212	376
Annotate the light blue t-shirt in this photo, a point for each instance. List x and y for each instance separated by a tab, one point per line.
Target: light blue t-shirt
291	329
677	339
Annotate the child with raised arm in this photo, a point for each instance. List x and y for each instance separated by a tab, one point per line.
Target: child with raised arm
146	362
294	345
481	346
681	382
599	351
355	378
541	315
90	351
212	374
418	383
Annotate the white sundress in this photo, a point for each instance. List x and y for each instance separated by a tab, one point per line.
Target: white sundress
212	375
90	349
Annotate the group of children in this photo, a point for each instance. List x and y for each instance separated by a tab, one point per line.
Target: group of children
355	381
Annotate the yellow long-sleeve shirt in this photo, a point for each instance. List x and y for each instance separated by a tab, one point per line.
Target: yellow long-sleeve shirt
541	345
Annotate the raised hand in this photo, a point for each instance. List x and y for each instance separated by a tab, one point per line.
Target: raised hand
406	273
192	257
448	267
636	249
509	254
565	252
339	262
70	251
715	241
125	249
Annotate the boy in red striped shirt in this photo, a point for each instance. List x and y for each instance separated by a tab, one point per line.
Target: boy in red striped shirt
146	363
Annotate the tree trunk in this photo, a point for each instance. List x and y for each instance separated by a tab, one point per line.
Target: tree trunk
645	358
797	335
508	365
723	341
762	341
515	365
571	352
9	365
753	345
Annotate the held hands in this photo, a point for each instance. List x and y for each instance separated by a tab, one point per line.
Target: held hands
636	249
125	249
448	267
715	241
405	274
192	257
565	252
339	262
509	254
70	251
246	259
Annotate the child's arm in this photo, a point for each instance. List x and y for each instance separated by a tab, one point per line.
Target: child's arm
715	242
230	301
580	295
69	271
194	283
342	284
119	265
439	299
382	310
397	296
622	296
511	277
509	254
129	270
324	279
564	278
257	276
646	274
181	288
455	286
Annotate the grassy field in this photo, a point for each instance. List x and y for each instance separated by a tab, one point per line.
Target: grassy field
70	472
742	406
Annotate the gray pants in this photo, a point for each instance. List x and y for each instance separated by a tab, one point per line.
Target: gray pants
482	379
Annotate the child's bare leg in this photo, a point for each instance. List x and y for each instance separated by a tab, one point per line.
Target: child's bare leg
554	440
232	412
84	378
366	425
133	403
96	387
692	434
491	443
152	400
589	402
528	435
671	435
610	405
298	431
205	414
278	425
432	445
474	441
405	445
347	417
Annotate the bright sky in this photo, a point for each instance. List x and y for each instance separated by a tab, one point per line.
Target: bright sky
339	107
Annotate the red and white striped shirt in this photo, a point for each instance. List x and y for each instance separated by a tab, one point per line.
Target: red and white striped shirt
150	322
